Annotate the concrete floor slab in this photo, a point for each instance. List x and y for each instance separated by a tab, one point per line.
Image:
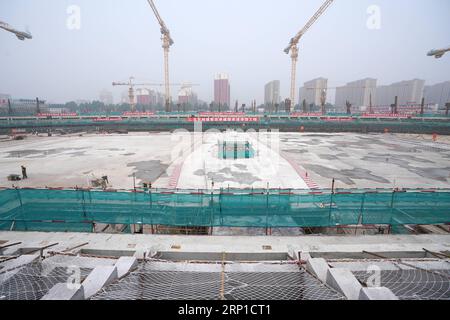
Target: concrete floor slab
354	160
311	244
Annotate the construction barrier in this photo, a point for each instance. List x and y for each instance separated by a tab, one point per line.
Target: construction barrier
78	210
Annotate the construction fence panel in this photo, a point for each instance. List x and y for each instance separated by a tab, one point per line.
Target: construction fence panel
79	210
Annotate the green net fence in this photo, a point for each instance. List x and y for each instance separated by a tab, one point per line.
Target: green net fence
78	210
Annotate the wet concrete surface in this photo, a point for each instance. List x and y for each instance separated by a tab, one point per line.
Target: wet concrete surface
358	160
401	161
229	175
295	150
149	171
327	156
70	161
346	176
240	166
35	154
354	160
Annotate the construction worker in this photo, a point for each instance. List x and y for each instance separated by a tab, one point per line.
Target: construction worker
105	182
24	172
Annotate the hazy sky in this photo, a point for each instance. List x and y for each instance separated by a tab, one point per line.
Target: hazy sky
244	38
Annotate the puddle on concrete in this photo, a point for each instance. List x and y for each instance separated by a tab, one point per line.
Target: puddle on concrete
112	149
440	174
351	144
199	172
399	159
345	175
240	166
321	135
34	154
77	154
313	142
149	171
327	156
226	174
226	171
238	177
295	150
342	155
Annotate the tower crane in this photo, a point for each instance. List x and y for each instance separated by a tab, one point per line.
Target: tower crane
438	53
293	45
166	43
130	84
21	35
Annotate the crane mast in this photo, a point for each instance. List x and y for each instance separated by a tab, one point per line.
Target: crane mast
293	45
166	43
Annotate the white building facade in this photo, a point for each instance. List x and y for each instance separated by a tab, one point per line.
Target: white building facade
311	91
272	92
438	94
358	93
409	92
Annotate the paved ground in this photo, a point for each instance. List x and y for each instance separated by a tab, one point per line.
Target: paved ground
370	160
286	160
238	244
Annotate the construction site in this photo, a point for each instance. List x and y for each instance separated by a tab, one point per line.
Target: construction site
289	204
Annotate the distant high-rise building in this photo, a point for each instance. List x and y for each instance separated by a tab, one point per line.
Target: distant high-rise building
106	97
124	98
409	92
4	99
222	90
187	96
312	91
357	92
82	101
272	92
438	94
145	99
148	97
23	106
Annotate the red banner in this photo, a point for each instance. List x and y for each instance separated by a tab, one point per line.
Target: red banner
57	115
339	119
106	119
385	115
138	114
306	114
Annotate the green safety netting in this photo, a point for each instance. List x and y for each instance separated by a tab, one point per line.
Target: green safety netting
77	210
